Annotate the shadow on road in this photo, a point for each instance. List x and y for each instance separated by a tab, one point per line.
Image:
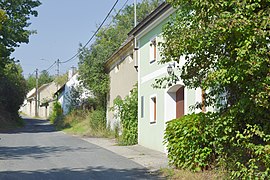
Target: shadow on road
99	173
38	152
33	126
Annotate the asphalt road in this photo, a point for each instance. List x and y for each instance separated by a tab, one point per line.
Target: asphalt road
38	151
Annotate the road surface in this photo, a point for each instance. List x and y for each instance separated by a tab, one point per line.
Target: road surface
38	151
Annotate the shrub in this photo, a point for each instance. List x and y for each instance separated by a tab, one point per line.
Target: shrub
56	112
128	112
202	141
189	141
97	119
253	149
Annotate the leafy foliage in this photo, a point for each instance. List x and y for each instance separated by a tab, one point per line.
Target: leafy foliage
44	78
108	40
97	120
14	16
189	141
12	90
57	113
127	110
225	45
61	79
74	98
226	48
206	141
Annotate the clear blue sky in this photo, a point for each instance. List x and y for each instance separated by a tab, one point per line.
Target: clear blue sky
61	25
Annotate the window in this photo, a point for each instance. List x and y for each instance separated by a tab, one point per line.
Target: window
142	106
153	110
153	50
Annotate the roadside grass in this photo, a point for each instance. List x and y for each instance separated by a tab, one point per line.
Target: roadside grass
179	174
83	123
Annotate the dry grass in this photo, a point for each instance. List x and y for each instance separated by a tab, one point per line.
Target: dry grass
79	123
176	174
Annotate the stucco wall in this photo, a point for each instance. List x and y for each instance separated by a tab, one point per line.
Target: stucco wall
45	95
151	134
123	77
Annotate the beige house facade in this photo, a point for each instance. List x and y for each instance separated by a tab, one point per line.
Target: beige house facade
123	77
45	101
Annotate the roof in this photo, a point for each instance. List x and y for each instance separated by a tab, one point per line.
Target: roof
128	43
33	91
61	89
163	7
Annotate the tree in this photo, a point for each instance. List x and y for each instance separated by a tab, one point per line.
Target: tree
108	40
227	53
12	88
61	79
226	48
14	16
14	20
31	82
44	78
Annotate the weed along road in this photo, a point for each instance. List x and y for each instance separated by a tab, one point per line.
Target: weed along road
38	151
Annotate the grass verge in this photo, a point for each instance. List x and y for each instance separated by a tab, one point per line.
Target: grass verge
84	123
173	174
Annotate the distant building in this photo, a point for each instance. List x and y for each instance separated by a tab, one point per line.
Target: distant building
45	101
64	92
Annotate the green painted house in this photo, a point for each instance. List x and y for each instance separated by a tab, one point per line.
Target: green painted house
157	106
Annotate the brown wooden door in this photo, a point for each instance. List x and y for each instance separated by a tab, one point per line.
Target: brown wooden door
180	102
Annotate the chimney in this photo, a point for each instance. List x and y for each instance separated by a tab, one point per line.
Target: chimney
71	72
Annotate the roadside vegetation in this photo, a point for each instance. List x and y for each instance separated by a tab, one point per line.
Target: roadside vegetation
92	122
226	48
13	21
181	174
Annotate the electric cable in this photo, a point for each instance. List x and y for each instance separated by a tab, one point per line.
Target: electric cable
50	66
62	62
118	12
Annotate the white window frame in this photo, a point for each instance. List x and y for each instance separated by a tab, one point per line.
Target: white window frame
152	52
152	109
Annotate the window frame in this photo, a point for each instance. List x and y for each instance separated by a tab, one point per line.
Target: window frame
153	109
153	50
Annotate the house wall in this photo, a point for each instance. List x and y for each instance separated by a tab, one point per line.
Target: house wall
123	78
64	97
27	106
44	95
151	134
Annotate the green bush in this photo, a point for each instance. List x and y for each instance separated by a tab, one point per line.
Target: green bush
189	141
128	112
211	140
253	149
97	119
56	112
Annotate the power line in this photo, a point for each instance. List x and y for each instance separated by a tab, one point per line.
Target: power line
50	66
119	12
93	34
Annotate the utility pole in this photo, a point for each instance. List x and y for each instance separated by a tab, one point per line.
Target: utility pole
135	39
135	13
36	98
58	71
